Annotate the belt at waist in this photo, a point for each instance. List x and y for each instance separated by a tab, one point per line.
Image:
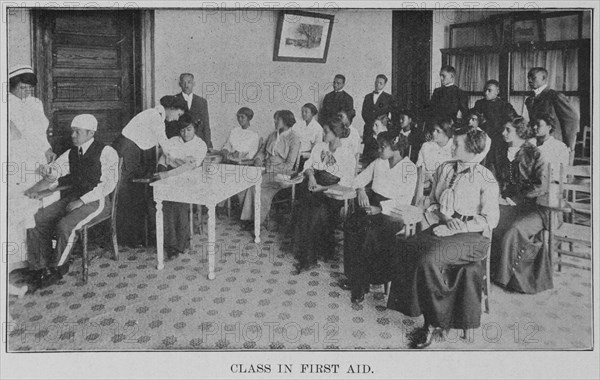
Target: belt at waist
464	218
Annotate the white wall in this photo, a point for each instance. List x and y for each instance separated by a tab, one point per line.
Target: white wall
231	55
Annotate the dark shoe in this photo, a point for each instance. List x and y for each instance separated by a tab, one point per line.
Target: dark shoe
172	255
49	277
248	225
344	284
423	337
357	300
64	269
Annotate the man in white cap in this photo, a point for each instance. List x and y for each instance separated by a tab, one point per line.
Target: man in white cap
90	171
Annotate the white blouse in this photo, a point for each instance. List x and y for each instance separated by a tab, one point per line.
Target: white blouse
179	149
147	128
341	163
397	183
353	141
432	155
556	153
310	134
244	141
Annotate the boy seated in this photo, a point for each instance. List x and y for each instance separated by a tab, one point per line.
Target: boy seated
187	152
409	129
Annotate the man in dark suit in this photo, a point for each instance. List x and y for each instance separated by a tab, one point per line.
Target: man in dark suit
447	100
197	107
548	101
336	101
376	103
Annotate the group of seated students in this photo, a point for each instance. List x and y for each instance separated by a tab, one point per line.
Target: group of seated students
483	173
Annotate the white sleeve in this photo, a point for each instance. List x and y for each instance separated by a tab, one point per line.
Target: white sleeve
365	177
109	161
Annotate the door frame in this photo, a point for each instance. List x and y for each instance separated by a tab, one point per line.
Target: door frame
142	68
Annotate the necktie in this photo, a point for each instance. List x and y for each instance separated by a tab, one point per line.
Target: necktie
80	152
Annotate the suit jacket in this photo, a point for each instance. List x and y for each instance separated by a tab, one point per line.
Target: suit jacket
556	104
371	110
333	103
446	101
199	113
415	141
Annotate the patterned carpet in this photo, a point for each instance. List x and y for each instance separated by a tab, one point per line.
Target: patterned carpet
256	303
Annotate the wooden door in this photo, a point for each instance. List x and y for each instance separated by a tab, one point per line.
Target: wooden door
85	64
411	57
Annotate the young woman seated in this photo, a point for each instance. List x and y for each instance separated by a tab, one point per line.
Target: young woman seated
518	261
331	162
354	140
242	142
187	151
370	237
279	156
426	280
371	149
437	151
553	151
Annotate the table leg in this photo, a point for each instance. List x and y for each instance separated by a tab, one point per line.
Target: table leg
159	235
257	188
211	242
191	225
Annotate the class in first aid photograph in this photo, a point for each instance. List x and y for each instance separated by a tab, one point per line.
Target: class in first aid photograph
323	179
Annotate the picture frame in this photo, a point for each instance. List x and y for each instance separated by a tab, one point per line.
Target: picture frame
302	36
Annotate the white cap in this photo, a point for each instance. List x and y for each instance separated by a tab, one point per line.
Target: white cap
85	121
20	69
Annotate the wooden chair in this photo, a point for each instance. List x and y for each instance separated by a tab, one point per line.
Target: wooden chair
564	236
584	144
287	185
103	217
261	142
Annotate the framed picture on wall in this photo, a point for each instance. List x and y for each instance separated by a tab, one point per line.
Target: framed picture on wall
302	36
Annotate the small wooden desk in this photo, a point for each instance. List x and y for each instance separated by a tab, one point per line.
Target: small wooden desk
206	185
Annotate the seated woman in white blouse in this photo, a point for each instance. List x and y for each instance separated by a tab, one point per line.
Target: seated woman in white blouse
437	151
432	277
369	240
331	162
354	140
187	151
553	151
310	131
242	142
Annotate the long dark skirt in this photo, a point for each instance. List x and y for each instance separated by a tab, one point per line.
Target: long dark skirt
176	226
518	261
316	219
370	248
131	208
441	278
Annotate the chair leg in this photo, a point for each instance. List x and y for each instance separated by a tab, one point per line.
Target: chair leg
229	207
84	259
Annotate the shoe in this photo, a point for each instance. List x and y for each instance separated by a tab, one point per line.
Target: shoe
172	255
64	269
49	277
344	284
357	300
423	337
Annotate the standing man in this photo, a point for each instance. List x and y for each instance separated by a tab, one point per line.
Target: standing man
91	175
448	100
548	101
375	104
336	101
197	107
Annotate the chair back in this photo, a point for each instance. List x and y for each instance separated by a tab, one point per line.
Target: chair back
297	161
420	188
357	168
574	182
115	194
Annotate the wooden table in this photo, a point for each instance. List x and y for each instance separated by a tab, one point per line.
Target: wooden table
206	185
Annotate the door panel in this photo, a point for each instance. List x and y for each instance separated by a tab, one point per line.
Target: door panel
85	65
